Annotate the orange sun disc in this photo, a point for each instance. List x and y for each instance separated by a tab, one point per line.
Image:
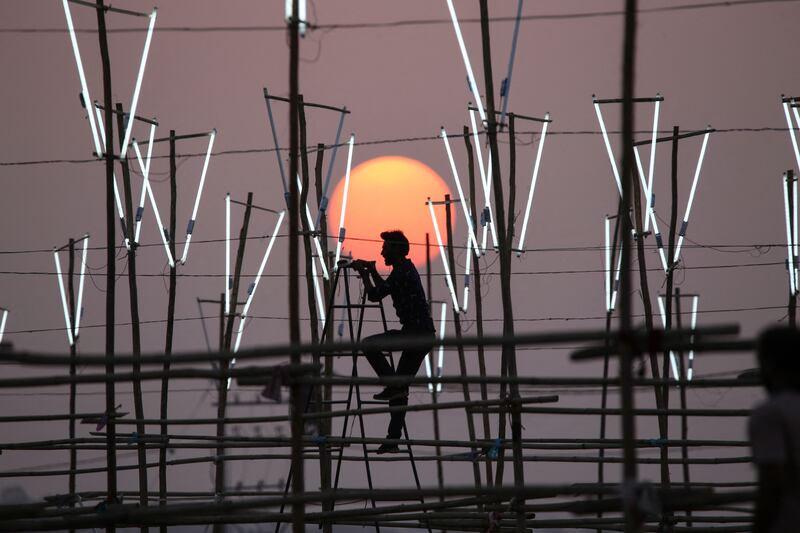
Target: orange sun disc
388	193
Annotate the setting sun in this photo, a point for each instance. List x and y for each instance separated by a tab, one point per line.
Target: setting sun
389	193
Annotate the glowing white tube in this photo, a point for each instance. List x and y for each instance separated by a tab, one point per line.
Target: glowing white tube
649	188
521	243
487	194
318	295
87	101
81	277
3	324
789	247
607	254
146	185
608	146
342	230
472	85
227	253
448	278
462	199
691	197
63	298
467	268
312	227
650	211
190	227
690	370
615	289
440	363
794	237
146	180
792	134
250	296
120	210
672	360
137	88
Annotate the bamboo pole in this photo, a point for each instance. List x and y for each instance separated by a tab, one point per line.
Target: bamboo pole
134	307
682	389
73	455
629	472
478	301
173	281
298	477
457	326
111	475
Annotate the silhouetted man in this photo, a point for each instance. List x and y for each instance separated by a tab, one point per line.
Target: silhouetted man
408	297
775	432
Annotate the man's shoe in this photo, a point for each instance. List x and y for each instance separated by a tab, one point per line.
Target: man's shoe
387	448
391	393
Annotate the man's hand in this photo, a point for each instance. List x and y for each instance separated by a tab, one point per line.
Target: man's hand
361	265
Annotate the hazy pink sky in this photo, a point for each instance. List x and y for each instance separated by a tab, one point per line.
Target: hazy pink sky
724	66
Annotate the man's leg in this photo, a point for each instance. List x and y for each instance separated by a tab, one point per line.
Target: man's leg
409	363
376	358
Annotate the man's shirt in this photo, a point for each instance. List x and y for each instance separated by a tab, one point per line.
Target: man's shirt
408	297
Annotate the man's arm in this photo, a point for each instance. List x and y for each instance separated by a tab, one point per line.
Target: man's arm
374	284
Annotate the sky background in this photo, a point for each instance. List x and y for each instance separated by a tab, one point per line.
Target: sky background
726	66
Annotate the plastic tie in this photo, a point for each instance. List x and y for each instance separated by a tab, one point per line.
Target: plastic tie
134	438
494	451
139	212
190	227
320	440
341	234
657	442
503	87
683	228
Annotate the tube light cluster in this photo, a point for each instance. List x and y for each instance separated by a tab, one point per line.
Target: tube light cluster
72	329
144	166
438	371
342	230
190	227
471	240
685	223
521	243
254	287
790	215
787	103
486	180
467	65
447	275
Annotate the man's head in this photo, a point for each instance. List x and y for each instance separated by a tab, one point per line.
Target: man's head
395	246
778	356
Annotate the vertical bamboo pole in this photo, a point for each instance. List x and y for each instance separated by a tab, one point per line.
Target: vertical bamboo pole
509	354
478	304
462	361
687	483
111	432
73	452
173	280
324	459
325	424
138	404
435	392
298	477
629	473
792	309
